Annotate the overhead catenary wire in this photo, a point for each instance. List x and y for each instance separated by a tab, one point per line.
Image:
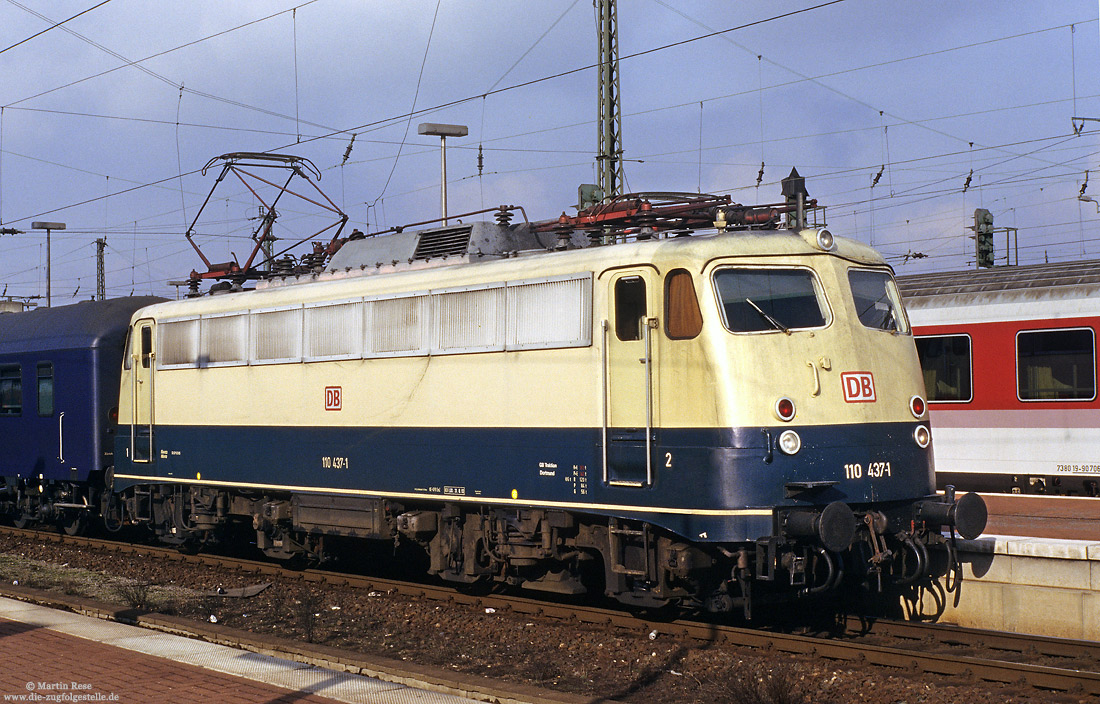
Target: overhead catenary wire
413	111
137	63
527	83
708	148
53	26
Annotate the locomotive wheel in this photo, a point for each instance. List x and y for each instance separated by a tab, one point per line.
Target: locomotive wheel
190	546
481	586
24	521
301	561
74	523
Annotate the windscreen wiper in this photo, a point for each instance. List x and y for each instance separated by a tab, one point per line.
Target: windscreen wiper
771	321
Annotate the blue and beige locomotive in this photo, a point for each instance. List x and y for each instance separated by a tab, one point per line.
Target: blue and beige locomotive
671	399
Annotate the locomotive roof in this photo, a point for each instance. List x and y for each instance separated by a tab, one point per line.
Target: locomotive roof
471	269
999	279
83	325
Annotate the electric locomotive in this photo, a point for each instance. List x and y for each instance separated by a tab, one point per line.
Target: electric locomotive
670	398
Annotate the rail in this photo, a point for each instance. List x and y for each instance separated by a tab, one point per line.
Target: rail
932	648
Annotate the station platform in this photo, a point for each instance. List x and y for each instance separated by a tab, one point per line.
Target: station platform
1042	586
58	656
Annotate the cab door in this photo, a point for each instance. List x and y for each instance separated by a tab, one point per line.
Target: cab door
143	368
630	361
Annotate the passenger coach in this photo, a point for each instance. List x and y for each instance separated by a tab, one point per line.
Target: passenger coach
59	377
1010	365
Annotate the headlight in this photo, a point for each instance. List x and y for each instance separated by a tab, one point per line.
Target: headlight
789	442
825	240
922	436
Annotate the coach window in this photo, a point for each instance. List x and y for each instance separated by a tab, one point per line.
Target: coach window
11	391
630	308
1056	365
45	389
683	320
946	363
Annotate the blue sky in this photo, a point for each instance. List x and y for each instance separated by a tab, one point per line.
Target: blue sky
96	132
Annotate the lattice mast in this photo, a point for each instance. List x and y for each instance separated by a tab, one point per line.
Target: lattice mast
100	277
609	149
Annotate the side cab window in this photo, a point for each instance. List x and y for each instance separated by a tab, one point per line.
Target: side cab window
630	307
146	345
683	320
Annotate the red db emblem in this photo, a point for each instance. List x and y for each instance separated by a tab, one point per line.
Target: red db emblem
859	387
333	398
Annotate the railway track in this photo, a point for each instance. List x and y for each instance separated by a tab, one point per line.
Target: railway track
972	655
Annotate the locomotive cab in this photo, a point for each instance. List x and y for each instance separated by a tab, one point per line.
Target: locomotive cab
786	388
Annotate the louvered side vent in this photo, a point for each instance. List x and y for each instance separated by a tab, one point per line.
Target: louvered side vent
470	320
397	327
224	339
550	313
334	330
277	336
443	243
178	343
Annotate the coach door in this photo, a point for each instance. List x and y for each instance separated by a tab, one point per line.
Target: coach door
142	365
629	358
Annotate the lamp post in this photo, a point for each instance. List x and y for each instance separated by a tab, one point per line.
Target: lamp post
48	227
443	132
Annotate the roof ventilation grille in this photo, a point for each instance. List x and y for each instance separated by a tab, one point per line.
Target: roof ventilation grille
443	243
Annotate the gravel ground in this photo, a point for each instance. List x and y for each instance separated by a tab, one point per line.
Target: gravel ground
583	659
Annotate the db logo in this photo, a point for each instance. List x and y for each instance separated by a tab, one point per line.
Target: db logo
859	387
333	398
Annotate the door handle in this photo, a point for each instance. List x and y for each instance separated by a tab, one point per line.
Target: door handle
61	437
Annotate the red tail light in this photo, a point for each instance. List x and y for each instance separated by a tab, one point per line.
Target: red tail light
784	408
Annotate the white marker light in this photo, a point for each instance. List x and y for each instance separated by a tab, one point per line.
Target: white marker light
789	442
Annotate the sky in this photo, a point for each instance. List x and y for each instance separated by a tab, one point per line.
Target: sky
903	117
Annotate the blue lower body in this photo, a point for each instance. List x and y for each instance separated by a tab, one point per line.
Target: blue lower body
708	485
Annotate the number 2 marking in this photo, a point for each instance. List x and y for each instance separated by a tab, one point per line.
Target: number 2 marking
668	459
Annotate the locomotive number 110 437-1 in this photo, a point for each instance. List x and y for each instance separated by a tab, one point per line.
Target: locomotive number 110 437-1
874	470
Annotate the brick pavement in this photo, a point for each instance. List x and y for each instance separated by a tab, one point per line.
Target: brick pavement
39	664
56	656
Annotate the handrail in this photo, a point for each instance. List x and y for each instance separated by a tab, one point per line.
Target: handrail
606	397
61	437
650	324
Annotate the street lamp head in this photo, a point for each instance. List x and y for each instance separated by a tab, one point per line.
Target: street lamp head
47	226
438	130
